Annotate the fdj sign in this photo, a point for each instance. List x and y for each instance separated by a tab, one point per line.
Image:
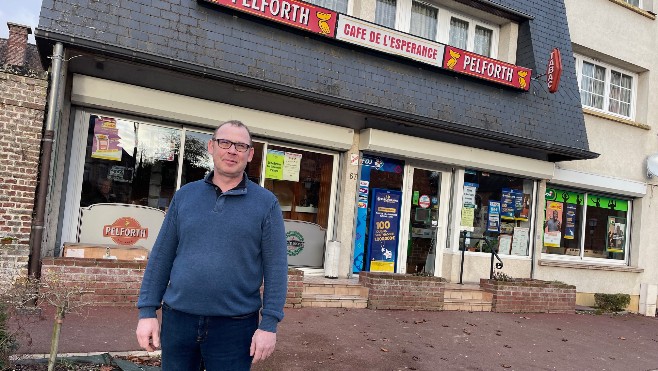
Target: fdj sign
295	243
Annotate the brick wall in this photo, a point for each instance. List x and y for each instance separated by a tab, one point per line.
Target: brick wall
22	103
530	296
403	291
117	283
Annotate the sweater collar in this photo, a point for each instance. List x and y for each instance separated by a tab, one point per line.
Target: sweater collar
240	188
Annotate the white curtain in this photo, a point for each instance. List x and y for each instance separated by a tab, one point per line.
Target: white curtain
385	13
335	5
458	33
423	20
592	85
483	41
620	93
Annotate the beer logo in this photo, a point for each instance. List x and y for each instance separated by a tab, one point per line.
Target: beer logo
125	231
454	56
322	22
295	243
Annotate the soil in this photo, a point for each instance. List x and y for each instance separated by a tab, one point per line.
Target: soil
65	365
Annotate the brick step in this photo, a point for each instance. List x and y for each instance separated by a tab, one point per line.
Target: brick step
335	289
470	306
333	301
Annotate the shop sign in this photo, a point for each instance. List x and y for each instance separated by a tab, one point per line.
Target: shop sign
384	226
305	243
554	70
479	66
289	12
295	243
372	36
125	231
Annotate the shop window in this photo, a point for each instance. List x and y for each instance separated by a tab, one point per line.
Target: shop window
606	88
497	208
585	225
301	180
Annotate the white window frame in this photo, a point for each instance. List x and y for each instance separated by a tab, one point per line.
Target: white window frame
403	23
349	10
608	78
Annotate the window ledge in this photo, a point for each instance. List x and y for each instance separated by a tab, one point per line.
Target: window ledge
615	118
635	9
591	266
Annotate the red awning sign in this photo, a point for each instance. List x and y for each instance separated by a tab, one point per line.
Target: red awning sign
554	70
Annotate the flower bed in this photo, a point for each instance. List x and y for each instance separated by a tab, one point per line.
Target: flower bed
530	296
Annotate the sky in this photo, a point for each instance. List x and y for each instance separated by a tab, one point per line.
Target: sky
25	12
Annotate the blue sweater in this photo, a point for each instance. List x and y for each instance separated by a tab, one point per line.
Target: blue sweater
213	252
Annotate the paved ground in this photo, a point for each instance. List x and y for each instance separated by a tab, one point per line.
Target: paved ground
338	339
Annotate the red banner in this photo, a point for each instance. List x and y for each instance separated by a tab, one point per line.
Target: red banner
554	70
290	12
486	68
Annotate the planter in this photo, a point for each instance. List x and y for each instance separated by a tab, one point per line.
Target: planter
530	296
403	291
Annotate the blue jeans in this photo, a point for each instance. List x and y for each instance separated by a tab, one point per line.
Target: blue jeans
221	342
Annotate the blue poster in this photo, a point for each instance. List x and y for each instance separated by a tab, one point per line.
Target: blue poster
507	205
493	221
384	226
517	196
570	222
368	164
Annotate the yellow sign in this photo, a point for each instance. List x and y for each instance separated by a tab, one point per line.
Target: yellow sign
382	266
274	167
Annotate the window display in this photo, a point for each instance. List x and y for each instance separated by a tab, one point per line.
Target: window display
585	225
497	207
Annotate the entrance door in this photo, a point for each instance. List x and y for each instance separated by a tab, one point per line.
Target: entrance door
425	210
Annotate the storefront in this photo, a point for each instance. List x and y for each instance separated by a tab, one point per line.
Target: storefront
404	147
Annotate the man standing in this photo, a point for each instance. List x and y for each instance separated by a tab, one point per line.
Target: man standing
553	224
221	238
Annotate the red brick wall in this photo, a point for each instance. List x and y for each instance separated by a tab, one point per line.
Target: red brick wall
403	291
117	283
22	102
530	296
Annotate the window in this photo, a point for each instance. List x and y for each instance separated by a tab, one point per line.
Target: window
439	24
339	6
585	225
499	207
633	2
606	88
385	13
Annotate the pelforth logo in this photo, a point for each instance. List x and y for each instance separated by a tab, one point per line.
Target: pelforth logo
125	231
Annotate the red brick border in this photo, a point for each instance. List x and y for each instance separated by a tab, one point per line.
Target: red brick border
403	291
530	296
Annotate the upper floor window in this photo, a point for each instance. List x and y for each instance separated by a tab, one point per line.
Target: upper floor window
637	3
606	88
339	6
439	24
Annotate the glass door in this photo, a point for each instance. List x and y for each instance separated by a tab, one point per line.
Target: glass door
425	207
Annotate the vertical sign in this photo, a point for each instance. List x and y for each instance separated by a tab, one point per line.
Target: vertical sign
507	204
616	234
493	221
570	224
553	224
384	226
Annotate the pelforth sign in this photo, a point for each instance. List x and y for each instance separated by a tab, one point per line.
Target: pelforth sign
290	12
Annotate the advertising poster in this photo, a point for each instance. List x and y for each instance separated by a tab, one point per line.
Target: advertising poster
384	225
520	241
525	210
507	204
291	165
274	167
469	194
504	243
553	224
570	223
468	217
616	234
493	221
106	140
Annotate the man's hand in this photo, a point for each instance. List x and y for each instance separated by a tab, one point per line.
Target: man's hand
148	334
262	345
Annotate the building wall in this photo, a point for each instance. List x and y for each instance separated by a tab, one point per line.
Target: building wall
22	104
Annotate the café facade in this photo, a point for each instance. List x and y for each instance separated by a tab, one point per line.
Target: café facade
398	134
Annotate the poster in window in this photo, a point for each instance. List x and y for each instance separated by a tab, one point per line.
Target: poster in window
525	208
384	226
520	241
274	166
504	243
470	190
507	204
517	195
570	223
616	234
493	220
468	217
106	142
553	224
291	165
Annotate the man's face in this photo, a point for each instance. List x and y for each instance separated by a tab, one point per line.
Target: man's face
554	215
230	162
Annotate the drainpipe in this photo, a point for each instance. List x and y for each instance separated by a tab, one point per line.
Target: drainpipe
36	235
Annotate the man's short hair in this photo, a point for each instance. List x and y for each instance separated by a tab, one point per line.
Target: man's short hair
238	124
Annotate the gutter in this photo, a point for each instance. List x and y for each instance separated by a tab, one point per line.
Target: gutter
36	234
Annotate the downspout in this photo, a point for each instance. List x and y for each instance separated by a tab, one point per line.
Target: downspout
36	234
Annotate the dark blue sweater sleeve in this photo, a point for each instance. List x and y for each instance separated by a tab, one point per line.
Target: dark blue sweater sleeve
158	268
275	269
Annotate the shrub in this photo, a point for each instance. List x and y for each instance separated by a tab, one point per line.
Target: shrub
612	302
8	343
500	276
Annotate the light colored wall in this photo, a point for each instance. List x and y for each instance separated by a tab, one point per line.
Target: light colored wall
477	265
346	208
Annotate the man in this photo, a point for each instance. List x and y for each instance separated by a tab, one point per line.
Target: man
221	237
101	194
553	224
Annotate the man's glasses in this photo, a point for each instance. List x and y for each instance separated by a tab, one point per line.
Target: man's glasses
226	144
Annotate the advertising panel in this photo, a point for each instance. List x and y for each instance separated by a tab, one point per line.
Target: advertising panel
384	226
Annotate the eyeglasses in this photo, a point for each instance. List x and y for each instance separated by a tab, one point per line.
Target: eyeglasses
226	144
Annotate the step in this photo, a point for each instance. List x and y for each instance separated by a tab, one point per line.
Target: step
335	289
334	301
470	306
467	297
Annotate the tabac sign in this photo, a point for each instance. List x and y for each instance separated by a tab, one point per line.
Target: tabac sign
290	12
486	68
